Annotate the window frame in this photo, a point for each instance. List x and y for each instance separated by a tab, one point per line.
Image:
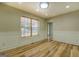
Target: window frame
22	27
38	27
30	26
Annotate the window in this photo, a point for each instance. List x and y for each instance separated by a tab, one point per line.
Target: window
25	26
35	27
29	27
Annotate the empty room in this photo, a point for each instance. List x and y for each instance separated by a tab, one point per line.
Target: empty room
39	29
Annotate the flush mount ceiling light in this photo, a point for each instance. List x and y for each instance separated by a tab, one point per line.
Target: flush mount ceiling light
67	6
19	2
44	4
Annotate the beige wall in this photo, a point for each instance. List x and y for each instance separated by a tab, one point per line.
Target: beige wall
66	28
10	36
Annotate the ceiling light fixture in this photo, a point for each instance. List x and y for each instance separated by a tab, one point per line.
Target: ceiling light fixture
19	2
67	6
44	4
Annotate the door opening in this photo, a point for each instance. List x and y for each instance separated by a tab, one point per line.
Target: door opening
50	31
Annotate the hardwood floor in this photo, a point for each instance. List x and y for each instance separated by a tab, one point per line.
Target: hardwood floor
46	49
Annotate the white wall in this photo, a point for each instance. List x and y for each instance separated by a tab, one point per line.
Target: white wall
66	28
10	36
9	40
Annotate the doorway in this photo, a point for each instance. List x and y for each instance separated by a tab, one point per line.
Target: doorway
50	31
